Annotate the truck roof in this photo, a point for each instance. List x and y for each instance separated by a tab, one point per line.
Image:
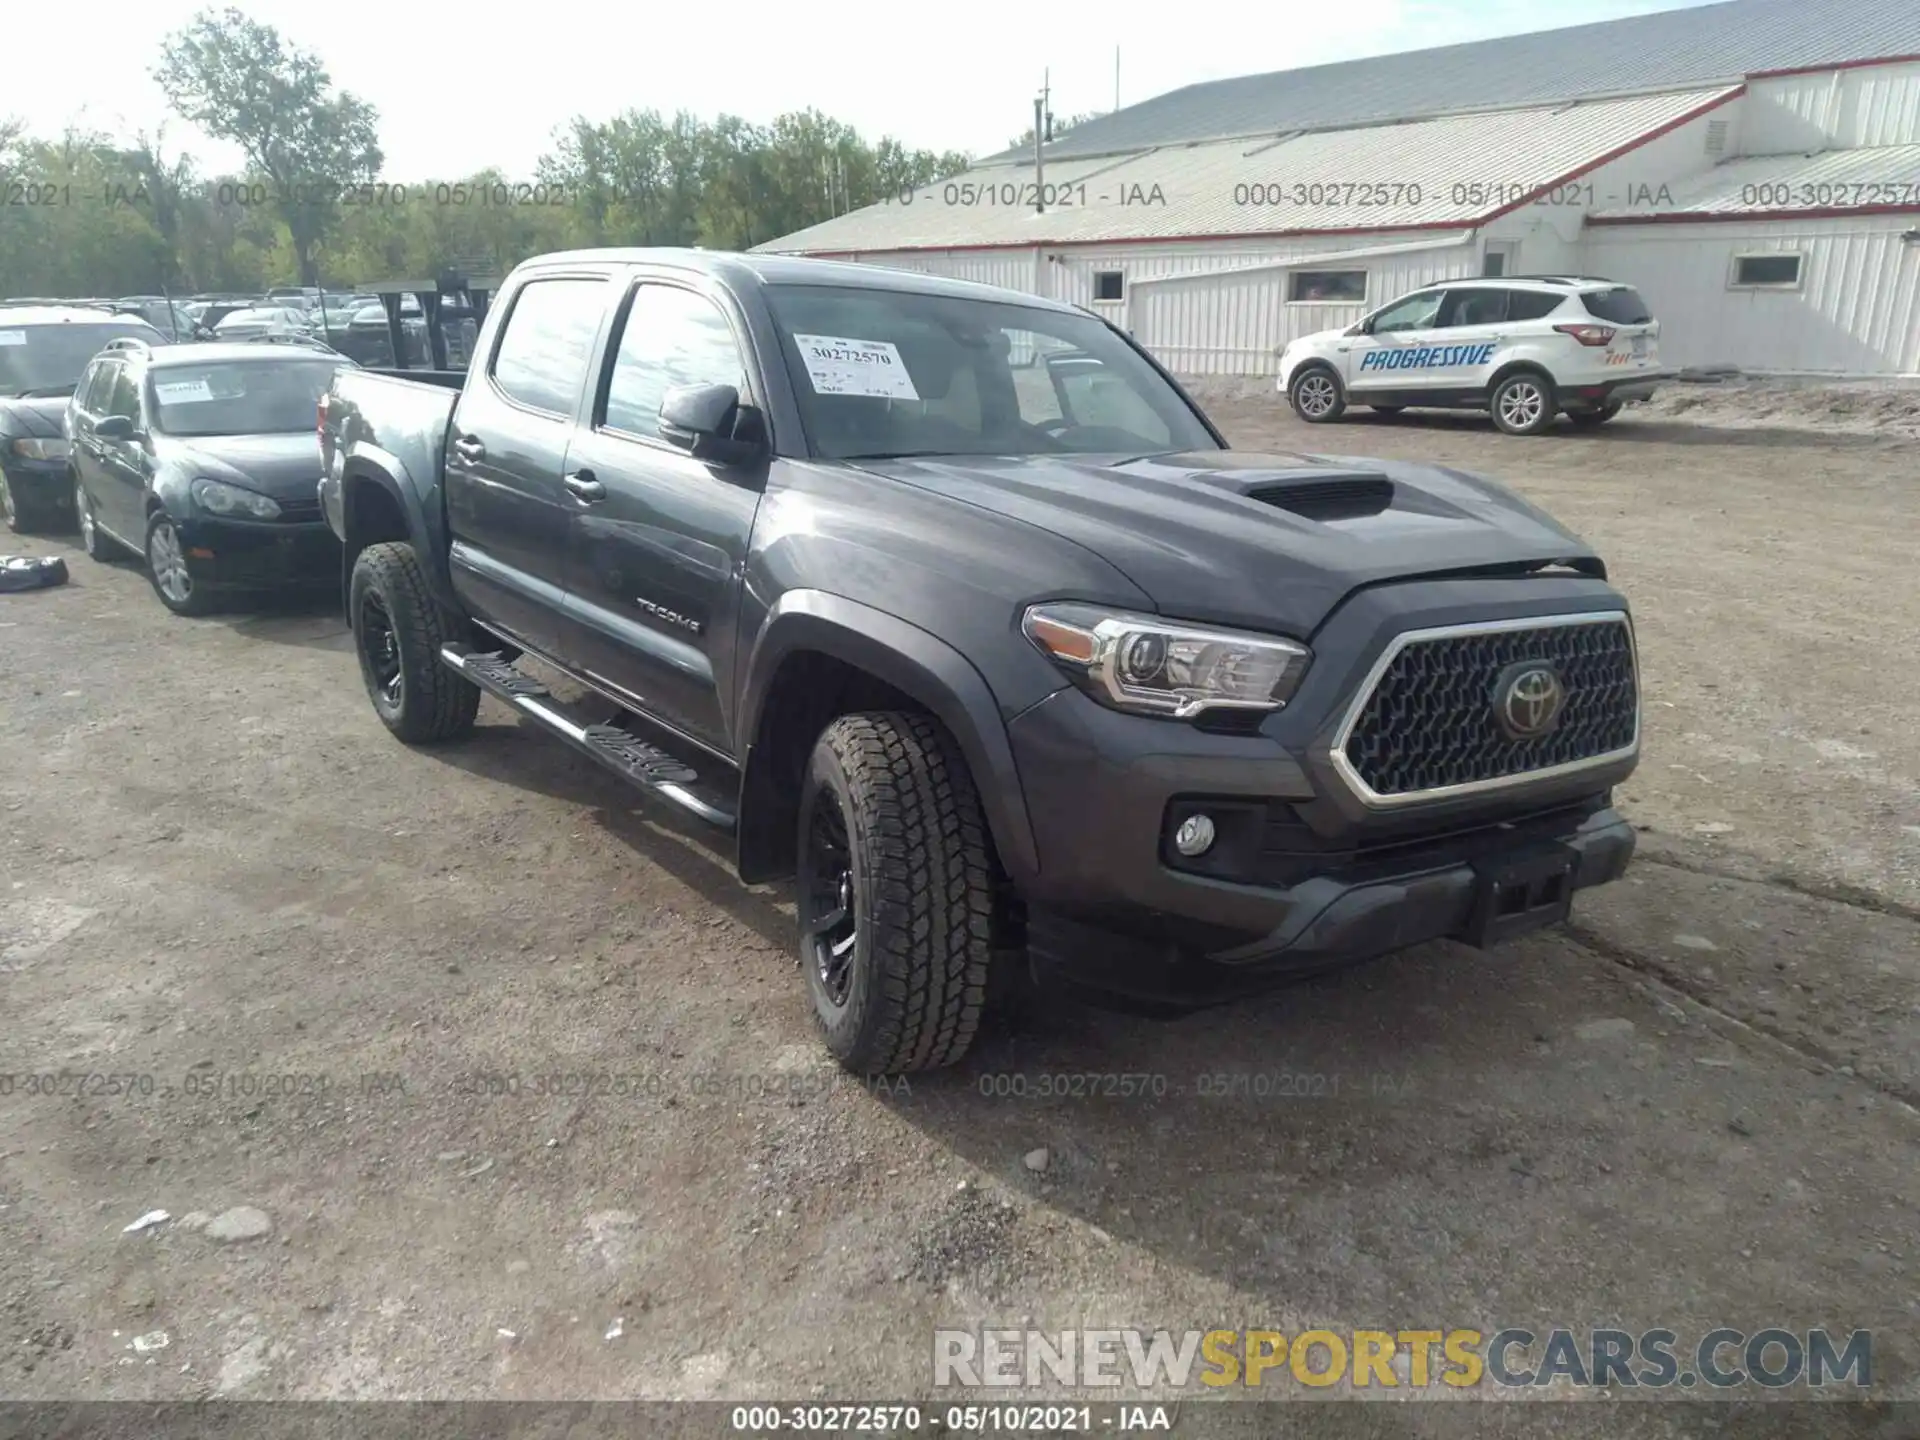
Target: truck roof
792	270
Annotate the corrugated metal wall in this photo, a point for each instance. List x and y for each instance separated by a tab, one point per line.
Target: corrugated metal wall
1857	310
1835	109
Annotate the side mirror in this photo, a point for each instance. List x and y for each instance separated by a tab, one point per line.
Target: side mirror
1360	327
701	419
114	427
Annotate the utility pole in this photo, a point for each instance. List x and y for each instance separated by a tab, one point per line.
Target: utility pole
1116	77
1042	132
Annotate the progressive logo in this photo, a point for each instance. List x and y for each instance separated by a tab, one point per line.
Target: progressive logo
1426	357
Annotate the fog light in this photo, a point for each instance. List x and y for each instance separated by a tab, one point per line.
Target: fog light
1195	836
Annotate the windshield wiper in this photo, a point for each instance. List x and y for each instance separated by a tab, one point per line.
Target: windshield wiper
47	392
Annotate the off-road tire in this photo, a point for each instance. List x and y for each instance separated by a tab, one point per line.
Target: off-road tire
433	703
1505	404
1309	406
922	884
1587	419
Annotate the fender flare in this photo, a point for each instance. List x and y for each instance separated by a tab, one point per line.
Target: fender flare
918	664
369	464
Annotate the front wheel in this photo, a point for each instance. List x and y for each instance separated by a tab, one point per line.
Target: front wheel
1587	419
1316	395
894	890
173	579
1523	403
398	629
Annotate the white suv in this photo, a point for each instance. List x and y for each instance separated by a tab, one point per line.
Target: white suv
1525	348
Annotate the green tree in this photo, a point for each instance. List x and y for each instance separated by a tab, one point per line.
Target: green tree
238	81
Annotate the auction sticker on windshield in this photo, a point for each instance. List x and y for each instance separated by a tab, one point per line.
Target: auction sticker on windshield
13	337
182	392
839	366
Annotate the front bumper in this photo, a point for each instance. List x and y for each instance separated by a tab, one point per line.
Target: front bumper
1303	874
264	555
43	484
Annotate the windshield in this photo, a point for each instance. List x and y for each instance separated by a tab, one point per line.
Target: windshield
887	373
238	397
51	357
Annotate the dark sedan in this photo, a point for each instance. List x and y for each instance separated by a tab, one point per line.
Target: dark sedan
204	459
43	350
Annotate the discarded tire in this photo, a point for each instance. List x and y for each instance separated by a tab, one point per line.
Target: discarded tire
31	572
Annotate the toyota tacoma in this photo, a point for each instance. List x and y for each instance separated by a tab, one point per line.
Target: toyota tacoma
950	605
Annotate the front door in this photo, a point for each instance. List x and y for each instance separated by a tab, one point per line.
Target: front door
506	450
1382	358
119	483
659	538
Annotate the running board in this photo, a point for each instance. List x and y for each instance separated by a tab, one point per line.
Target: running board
634	760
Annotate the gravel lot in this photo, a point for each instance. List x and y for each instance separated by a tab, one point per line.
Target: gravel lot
1689	1109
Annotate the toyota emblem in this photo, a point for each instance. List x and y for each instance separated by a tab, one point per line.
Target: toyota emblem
1528	699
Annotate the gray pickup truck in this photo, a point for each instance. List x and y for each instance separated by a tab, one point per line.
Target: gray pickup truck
950	605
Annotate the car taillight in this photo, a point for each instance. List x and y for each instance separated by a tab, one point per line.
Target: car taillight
1588	334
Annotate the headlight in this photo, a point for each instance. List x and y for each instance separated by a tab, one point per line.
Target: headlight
217	497
41	449
1161	667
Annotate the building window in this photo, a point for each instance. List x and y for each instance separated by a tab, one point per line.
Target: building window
1107	285
1766	271
1327	287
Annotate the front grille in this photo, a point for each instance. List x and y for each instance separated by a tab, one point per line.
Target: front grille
299	510
1429	721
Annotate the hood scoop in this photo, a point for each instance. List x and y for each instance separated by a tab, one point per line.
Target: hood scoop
1323	497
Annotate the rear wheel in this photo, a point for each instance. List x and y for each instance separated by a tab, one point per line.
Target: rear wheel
1587	419
93	539
1317	395
398	629
1523	403
894	890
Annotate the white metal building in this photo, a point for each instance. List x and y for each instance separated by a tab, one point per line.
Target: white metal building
1753	167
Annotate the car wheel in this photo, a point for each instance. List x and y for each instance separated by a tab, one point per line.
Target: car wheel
1388	409
93	539
1587	419
398	629
167	568
894	891
1316	395
1523	403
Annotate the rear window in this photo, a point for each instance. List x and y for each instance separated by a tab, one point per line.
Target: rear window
1532	304
238	397
54	357
1622	305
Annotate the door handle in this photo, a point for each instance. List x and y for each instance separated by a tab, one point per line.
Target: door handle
469	448
583	487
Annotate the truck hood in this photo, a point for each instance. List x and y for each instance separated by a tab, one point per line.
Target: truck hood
41	417
287	467
1273	542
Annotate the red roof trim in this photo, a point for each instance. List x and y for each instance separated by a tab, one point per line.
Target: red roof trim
1723	217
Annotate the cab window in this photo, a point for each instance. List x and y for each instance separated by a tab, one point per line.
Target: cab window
672	337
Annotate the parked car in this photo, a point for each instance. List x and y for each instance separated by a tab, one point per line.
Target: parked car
368	339
203	459
43	351
994	663
263	320
1527	348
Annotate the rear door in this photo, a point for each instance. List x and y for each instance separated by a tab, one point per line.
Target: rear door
1636	340
1467	341
506	451
659	538
1382	358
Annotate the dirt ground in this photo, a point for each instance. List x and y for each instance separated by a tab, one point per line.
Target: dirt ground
317	953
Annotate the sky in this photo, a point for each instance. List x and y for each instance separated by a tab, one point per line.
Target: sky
947	78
